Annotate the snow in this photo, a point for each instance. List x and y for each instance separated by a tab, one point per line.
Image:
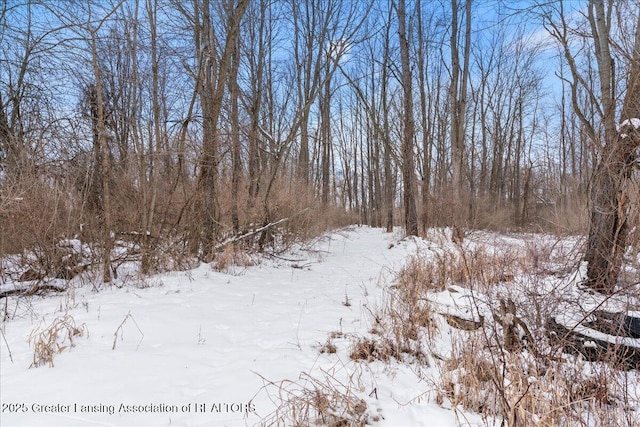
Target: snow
633	122
202	348
460	302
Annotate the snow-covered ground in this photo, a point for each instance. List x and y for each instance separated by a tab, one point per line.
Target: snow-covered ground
206	348
250	344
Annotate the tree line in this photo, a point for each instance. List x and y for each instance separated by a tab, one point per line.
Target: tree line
192	122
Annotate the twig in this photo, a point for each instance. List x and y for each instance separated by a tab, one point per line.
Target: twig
115	334
7	344
286	259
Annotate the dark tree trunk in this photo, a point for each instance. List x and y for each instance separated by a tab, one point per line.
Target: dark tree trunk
7	149
609	199
609	210
408	163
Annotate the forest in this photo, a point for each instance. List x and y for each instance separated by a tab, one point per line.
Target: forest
159	136
188	123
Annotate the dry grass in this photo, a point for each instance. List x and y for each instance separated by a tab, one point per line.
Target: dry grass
562	220
528	391
529	384
232	260
402	327
471	268
368	350
311	401
54	339
328	347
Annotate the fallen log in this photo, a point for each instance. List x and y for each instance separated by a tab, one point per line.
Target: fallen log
595	345
462	323
619	324
35	289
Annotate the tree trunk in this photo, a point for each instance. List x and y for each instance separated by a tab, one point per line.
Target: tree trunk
107	243
325	138
7	149
236	167
408	163
389	185
212	86
609	200
256	60
155	147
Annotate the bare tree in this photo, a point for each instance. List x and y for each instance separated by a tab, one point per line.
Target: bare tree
425	121
372	89
258	36
617	144
609	226
98	104
458	93
236	165
156	146
22	48
408	162
214	68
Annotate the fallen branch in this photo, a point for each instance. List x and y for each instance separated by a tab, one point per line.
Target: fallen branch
256	231
36	289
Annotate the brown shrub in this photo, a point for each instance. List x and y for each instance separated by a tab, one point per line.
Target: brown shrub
33	214
231	260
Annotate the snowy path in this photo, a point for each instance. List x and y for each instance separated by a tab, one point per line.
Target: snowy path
208	339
